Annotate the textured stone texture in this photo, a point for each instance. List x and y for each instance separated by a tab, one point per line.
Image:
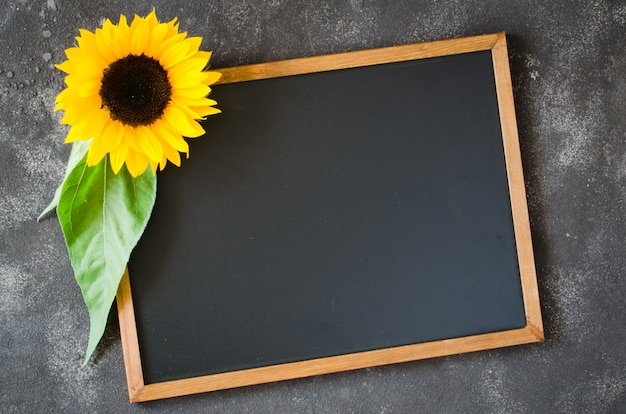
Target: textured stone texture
568	60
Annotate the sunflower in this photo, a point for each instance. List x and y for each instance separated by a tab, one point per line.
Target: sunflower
136	90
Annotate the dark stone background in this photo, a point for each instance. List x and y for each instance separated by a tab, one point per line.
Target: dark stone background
568	60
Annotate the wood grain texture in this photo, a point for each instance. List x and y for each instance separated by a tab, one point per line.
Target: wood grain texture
517	191
130	343
358	58
334	364
533	332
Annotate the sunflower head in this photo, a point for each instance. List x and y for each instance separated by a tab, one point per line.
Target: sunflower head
136	90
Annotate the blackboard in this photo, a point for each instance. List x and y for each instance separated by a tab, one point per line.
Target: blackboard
344	211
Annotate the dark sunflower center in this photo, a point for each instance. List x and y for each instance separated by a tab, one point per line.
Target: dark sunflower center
135	90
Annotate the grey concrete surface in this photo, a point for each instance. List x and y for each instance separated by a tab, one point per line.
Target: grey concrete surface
568	60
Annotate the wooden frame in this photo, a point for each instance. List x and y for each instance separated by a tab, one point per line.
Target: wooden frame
532	332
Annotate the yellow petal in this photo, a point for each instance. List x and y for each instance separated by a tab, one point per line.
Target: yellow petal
173	53
194	43
191	47
188	110
139	35
136	163
88	42
112	135
202	54
108	27
187	79
205	111
199	91
151	19
99	129
169	137
95	123
131	139
73	53
181	123
67	66
169	39
88	69
89	87
75	134
172	28
157	34
85	39
153	167
66	95
122	24
212	77
170	154
121	38
149	144
192	102
188	65
104	43
96	151
118	156
78	109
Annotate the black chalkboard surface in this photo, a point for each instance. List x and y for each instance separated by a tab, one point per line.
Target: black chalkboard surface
335	219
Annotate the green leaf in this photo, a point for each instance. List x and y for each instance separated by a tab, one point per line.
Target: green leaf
79	149
102	215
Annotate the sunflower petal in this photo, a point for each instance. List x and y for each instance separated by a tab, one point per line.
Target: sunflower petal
180	122
89	69
139	35
88	41
206	111
100	145
157	35
118	156
199	91
202	54
112	135
187	79
121	38
188	65
75	134
67	66
108	27
170	154
153	167
192	102
96	151
212	77
89	87
149	144
194	43
151	19
173	54
104	43
130	136
136	162
169	40
169	137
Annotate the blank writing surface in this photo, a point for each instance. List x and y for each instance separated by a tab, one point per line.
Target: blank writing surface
331	213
